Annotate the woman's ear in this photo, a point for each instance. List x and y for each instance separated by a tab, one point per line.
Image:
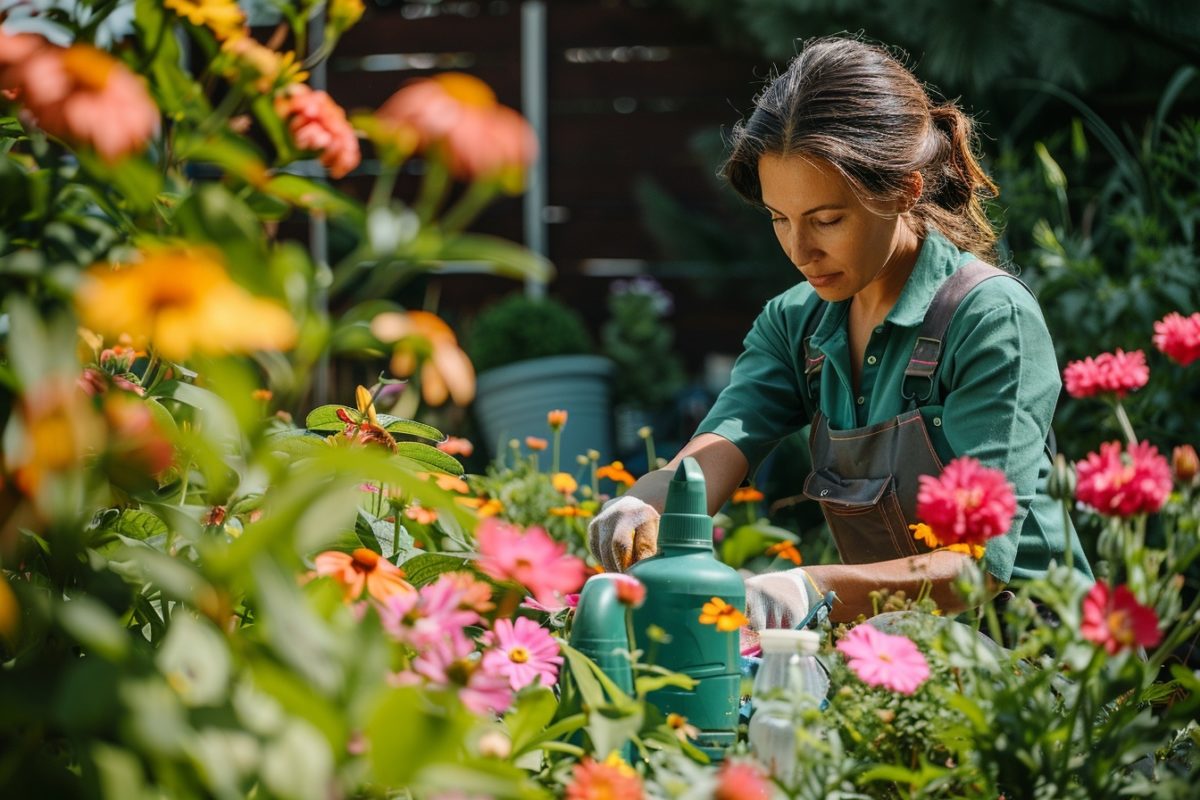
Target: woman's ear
916	185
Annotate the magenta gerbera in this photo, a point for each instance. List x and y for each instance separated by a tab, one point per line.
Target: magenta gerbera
881	659
1118	373
1178	337
531	558
967	504
1115	620
1137	481
523	651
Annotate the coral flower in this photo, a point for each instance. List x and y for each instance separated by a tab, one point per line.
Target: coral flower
523	651
530	558
79	94
1118	373
458	115
630	591
881	659
319	124
967	503
422	340
556	419
786	550
536	444
742	780
1185	464
616	472
611	779
724	616
183	302
1116	620
363	569
222	17
60	429
746	494
1178	337
421	515
1123	484
456	446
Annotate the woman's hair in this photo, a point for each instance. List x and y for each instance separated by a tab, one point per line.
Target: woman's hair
855	106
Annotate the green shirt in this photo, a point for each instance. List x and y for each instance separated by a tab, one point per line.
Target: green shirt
998	384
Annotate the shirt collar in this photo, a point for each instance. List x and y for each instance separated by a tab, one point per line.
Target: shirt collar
937	259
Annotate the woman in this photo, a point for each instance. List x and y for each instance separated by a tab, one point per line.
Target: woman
875	195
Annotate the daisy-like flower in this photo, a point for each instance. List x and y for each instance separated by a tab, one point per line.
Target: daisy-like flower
924	534
60	428
881	659
611	779
435	612
484	507
1116	621
556	419
967	503
683	730
452	663
569	601
530	558
746	494
363	569
786	550
244	58
319	124
474	594
456	446
522	650
1178	337
1137	481
742	780
447	483
1118	373
222	17
421	515
616	472
423	342
724	616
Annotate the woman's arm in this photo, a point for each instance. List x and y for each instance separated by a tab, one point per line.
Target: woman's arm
724	469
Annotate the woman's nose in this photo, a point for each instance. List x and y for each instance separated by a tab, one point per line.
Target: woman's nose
799	248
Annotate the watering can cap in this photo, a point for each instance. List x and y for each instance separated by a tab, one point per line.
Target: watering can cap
786	640
685	519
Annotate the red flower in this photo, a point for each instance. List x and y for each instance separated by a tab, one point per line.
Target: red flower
319	124
1116	620
1178	337
611	779
1119	373
741	780
968	503
1186	463
1116	484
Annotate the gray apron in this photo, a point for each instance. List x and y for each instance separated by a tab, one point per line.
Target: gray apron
866	479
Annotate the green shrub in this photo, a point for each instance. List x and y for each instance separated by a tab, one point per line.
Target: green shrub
519	328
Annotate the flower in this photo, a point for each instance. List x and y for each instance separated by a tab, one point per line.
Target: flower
556	419
484	507
975	551
923	533
522	650
536	444
60	428
786	550
746	494
1178	337
451	663
570	511
1116	620
343	14
682	729
1137	481
456	446
363	569
742	780
242	57
137	441
79	94
569	601
222	17
1185	463
318	123
616	472
968	502
1119	373
630	591
611	779
457	116
183	302
447	483
882	659
422	340
421	515
563	482
531	558
437	611
724	616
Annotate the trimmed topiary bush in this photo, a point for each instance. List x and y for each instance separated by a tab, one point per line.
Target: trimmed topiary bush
519	328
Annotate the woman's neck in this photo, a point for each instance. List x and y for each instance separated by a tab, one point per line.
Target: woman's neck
878	297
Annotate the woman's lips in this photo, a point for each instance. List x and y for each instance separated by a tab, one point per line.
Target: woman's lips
827	279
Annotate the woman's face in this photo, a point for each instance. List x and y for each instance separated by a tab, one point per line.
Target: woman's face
840	245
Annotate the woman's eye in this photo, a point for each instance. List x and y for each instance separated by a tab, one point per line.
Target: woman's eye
825	223
777	220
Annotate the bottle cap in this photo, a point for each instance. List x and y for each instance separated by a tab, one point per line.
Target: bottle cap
787	640
685	521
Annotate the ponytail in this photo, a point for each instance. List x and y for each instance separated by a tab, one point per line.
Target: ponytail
956	185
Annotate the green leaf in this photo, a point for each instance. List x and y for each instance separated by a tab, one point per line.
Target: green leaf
405	725
325	418
232	153
314	196
429	458
213	214
743	543
135	524
135	179
504	257
529	716
425	568
94	627
652	683
410	427
380	535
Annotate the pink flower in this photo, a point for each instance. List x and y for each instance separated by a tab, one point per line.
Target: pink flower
881	659
452	664
742	780
1119	373
570	601
531	558
436	612
317	123
630	590
968	503
1116	620
1116	484
523	651
1178	337
79	94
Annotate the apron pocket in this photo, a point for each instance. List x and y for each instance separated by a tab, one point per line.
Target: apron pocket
864	516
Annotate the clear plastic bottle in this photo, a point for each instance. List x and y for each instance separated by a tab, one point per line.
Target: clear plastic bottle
789	679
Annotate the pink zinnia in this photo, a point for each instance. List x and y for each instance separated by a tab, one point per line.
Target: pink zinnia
1123	484
570	601
523	651
968	503
452	664
742	780
1119	373
1178	337
881	659
1116	620
531	558
436	612
318	123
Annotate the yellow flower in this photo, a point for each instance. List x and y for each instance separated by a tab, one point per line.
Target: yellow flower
183	302
245	58
724	616
564	483
975	551
570	511
924	533
483	506
616	472
747	494
222	17
786	550
60	428
344	13
615	760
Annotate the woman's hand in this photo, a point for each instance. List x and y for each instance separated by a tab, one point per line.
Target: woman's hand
779	599
624	532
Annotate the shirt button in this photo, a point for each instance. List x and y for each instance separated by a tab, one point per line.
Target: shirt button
879	329
871	359
861	400
937	422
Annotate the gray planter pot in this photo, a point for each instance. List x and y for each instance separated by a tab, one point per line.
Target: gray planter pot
512	402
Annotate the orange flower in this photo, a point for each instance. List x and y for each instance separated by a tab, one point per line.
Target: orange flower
79	94
746	494
420	339
483	506
536	444
563	482
262	395
363	569
786	550
724	616
447	483
319	124
457	115
616	472
975	551
419	514
556	419
611	779
570	511
683	730
923	533
474	594
456	446
60	428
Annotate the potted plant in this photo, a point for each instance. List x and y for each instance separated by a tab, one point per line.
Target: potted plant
534	355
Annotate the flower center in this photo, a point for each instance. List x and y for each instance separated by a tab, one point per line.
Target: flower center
518	655
1118	625
459	672
365	560
88	66
467	89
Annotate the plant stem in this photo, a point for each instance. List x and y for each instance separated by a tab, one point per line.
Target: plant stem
1074	716
1068	549
1123	420
433	189
554	453
651	458
477	196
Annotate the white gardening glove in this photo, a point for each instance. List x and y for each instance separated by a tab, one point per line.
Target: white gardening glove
779	599
625	531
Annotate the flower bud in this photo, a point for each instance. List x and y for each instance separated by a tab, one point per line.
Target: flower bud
1060	485
556	419
1185	464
